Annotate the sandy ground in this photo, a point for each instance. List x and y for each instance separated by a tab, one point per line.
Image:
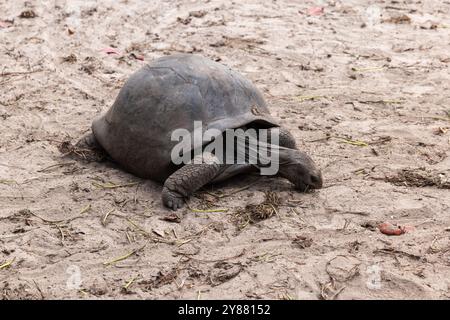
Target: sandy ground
363	86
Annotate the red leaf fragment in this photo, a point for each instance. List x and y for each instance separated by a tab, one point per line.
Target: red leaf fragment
392	230
110	50
137	56
316	11
5	23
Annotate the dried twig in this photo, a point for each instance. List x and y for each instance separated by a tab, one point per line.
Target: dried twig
7	264
126	256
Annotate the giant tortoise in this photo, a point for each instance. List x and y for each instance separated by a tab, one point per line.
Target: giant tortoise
175	92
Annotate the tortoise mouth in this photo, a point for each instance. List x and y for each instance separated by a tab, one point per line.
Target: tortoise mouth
314	180
305	187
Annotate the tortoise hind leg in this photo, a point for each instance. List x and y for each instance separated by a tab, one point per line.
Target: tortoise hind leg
88	141
87	148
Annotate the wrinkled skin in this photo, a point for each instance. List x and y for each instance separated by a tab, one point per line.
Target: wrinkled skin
300	169
294	165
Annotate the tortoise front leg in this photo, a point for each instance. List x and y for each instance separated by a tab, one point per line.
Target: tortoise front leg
88	148
186	180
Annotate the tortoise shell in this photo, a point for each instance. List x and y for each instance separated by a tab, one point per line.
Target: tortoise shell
171	93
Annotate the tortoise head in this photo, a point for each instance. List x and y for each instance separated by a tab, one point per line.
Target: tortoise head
300	169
